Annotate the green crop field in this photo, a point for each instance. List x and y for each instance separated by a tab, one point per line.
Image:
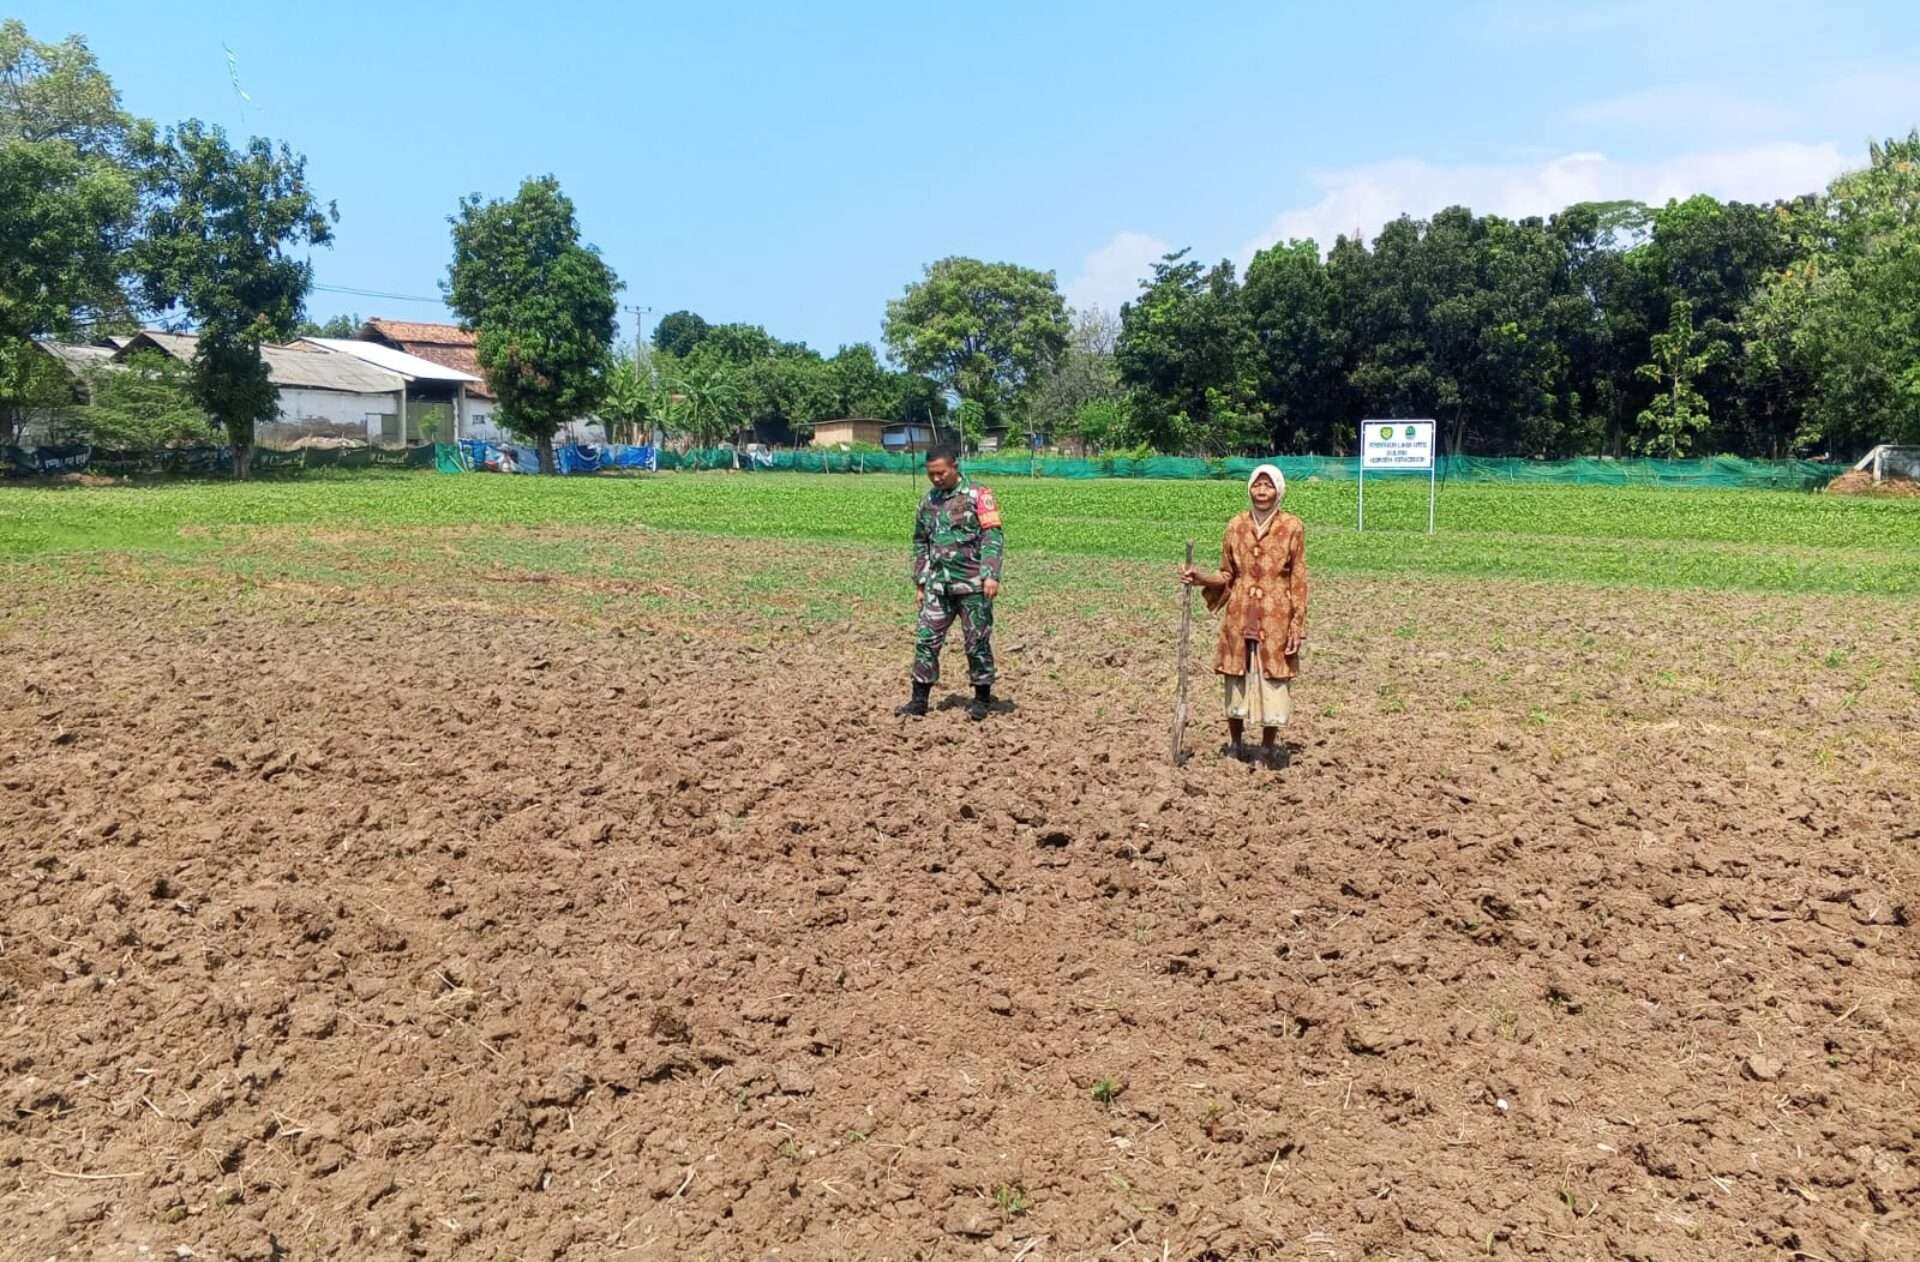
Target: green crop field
1724	540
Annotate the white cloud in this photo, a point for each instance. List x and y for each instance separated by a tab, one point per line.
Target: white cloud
1365	197
1111	274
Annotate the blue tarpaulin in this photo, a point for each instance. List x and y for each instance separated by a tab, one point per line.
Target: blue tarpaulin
578	458
626	457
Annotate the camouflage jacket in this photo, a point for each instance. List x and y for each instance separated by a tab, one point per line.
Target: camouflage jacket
957	544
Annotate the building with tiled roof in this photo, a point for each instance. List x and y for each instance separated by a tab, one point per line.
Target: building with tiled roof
448	345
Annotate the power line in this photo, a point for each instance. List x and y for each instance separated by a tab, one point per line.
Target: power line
378	293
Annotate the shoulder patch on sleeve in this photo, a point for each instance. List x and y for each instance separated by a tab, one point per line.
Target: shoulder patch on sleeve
987	508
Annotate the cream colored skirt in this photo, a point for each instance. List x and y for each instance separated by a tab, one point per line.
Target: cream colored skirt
1255	699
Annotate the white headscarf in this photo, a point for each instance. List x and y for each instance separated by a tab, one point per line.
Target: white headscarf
1279	481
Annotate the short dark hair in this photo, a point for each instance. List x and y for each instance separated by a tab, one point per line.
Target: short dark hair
944	451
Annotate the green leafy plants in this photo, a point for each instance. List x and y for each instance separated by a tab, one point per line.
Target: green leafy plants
1617	536
1011	1200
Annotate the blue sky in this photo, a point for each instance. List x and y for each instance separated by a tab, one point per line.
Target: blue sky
796	165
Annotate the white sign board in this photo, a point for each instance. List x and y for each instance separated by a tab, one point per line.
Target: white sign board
1386	445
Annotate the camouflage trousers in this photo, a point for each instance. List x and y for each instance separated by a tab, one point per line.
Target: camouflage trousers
938	611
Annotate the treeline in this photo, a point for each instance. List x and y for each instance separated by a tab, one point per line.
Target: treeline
709	383
1703	327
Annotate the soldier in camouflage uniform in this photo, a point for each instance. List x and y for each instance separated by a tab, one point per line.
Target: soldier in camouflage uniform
957	549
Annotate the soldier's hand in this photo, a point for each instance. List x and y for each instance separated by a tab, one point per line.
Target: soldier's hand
919	594
992	588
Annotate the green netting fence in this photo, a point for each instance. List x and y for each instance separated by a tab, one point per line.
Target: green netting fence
1729	472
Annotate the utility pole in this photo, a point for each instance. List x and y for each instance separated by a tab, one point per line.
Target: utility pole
640	315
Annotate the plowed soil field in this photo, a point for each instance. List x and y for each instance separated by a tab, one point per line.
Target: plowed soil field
365	905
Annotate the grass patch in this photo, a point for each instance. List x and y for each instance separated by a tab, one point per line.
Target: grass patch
1011	1200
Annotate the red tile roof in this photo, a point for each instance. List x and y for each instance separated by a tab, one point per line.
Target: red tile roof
448	345
414	331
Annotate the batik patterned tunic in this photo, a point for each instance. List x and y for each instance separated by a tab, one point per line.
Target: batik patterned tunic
1262	586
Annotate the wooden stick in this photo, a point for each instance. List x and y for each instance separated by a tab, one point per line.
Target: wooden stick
70	1174
1186	638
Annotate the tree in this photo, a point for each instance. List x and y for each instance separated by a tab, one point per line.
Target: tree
65	221
146	401
1679	411
859	384
1101	423
1450	319
68	207
57	92
1184	352
1608	300
218	243
679	332
1843	320
635	402
1715	256
1301	351
972	416
543	305
30	381
983	330
1085	375
344	327
735	343
707	401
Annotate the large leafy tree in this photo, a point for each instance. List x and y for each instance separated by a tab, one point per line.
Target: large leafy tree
858	384
986	331
225	241
1301	350
1451	321
1184	352
679	332
1844	318
1714	256
1081	396
57	91
543	306
68	207
1603	318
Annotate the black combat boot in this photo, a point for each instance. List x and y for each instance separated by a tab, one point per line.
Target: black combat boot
982	702
916	708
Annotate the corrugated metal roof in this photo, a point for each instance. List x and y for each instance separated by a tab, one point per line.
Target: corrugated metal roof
78	359
380	355
293	366
416	331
